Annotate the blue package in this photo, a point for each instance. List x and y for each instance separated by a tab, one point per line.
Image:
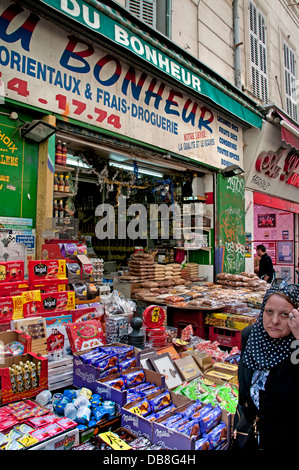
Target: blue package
127	364
100	413
70	394
172	419
203	444
191	429
134	378
193	408
149	391
161	401
92	422
203	411
82	427
165	410
218	435
211	420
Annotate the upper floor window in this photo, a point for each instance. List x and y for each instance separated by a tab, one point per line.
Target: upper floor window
258	53
143	9
155	13
290	81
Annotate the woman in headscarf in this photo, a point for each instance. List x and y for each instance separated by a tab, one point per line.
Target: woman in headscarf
269	374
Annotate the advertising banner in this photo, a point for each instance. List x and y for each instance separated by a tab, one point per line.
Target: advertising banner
44	66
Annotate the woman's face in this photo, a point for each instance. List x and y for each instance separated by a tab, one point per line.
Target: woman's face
276	315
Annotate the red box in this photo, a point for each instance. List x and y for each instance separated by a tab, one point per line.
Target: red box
11	271
85	335
51	251
13	288
185	317
10	306
49	285
188	316
35	303
225	336
46	269
6	392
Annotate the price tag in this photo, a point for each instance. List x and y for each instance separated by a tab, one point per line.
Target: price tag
114	441
155	314
32	295
28	440
2	272
136	410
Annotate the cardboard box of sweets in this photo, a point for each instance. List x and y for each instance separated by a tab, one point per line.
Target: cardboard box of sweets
119	396
7	393
7	337
172	439
140	425
84	375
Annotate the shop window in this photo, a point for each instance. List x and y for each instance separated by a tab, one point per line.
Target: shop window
290	81
258	53
154	13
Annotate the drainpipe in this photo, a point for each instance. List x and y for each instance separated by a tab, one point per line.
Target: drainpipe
237	44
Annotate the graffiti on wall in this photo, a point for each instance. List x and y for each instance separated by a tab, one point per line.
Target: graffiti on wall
231	228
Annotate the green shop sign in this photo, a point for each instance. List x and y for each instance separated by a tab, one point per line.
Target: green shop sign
100	20
18	174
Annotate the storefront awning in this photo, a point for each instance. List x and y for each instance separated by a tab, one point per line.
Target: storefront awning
275	202
289	133
160	53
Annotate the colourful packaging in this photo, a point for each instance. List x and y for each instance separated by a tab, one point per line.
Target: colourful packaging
46	269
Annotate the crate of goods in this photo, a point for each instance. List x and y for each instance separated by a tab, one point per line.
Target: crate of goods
23	377
184	317
225	336
216	319
239	322
60	373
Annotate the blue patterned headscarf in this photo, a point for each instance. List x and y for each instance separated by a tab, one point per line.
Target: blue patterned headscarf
262	351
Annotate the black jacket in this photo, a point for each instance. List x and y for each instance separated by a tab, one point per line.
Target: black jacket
266	267
279	403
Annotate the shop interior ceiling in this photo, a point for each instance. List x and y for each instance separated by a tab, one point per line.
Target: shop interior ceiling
145	158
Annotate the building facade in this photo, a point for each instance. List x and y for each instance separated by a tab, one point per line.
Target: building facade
254	45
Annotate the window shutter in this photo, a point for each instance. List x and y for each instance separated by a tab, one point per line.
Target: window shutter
144	9
258	53
290	81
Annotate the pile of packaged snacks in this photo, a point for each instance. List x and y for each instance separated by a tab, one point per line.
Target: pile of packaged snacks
25	423
24	376
225	396
201	422
81	406
212	348
120	439
110	359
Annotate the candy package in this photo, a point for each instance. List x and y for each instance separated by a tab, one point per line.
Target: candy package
218	435
160	401
134	378
210	420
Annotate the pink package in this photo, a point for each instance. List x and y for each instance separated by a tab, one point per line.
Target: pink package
41	421
53	429
40	434
66	423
